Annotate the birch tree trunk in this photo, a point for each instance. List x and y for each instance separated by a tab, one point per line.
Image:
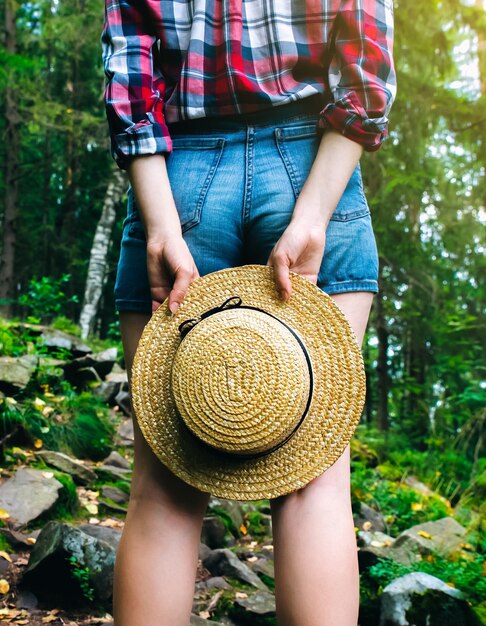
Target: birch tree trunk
99	252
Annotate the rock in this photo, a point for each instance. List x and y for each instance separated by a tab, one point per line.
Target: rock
200	621
55	339
91	366
49	572
26	600
16	372
371	547
419	598
231	508
123	401
263	566
109	535
28	494
223	562
444	536
204	551
115	494
369	519
217	582
110	472
80	472
256	608
213	533
125	432
16	538
115	459
375	539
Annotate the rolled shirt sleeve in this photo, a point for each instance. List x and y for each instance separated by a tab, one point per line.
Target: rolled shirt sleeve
134	86
361	72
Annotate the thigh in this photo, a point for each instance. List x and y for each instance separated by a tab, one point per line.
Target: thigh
152	482
335	483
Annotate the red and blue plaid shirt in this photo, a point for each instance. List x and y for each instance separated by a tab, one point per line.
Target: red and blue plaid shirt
171	60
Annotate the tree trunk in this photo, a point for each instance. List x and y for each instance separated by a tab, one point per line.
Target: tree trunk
382	366
9	217
99	252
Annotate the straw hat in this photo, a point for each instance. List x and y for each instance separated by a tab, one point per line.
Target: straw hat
243	395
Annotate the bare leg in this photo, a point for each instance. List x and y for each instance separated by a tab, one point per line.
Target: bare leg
316	564
156	561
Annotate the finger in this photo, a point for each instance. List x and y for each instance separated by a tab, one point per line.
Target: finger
282	277
183	278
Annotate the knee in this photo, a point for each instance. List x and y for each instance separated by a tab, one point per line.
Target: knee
333	487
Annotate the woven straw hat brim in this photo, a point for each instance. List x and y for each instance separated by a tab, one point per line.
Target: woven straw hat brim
335	409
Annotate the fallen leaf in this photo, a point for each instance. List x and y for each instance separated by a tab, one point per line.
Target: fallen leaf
39	404
48	474
92	508
243	530
366	525
4	514
38	444
422	533
240	594
4	586
47	410
252	559
204	614
31	540
5	555
416	506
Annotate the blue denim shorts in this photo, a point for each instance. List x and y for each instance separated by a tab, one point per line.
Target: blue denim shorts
235	180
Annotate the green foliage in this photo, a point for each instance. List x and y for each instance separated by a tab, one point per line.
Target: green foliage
11	415
82	575
61	322
78	424
401	505
466	574
45	297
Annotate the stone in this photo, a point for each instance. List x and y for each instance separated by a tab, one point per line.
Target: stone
223	562
26	600
204	551
125	432
107	534
372	546
55	339
369	519
232	508
419	598
443	536
49	573
195	620
122	399
115	459
263	566
213	532
16	371
259	604
101	362
110	472
115	494
28	494
78	470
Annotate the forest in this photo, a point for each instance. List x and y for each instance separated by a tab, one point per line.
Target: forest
418	454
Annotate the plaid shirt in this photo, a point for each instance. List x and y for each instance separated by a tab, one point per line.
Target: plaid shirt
171	60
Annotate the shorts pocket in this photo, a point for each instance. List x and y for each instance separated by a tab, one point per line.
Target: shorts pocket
190	167
298	145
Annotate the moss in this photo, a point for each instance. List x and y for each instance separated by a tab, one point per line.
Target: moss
447	611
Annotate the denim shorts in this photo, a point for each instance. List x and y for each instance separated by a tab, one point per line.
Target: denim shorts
235	180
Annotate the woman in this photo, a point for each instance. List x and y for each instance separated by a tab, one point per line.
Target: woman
241	124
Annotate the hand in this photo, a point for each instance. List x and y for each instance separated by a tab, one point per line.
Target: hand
300	249
171	269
